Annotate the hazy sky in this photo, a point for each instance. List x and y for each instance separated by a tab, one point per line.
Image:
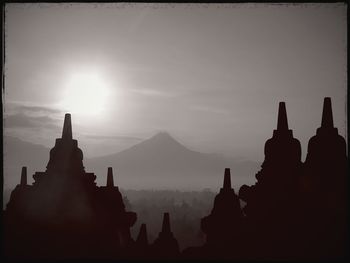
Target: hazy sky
211	75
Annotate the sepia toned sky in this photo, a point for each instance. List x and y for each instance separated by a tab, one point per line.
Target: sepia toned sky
209	74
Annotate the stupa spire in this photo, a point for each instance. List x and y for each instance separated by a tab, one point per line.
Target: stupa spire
24	176
227	179
282	122
110	181
142	237
67	127
327	115
166	223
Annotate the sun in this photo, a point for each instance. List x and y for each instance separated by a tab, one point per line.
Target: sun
85	94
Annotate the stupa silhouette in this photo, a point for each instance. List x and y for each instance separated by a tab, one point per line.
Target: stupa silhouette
224	226
142	249
165	246
272	202
327	155
64	213
324	191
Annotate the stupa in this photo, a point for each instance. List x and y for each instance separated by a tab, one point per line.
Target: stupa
166	245
326	156
324	191
226	214
279	174
224	227
142	248
272	203
64	213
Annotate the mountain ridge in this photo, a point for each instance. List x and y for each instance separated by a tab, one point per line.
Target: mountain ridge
159	162
162	158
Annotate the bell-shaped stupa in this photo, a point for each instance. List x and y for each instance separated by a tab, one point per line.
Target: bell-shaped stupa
272	202
325	190
224	226
64	213
166	245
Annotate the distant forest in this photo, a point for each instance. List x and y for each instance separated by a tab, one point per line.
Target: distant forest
186	210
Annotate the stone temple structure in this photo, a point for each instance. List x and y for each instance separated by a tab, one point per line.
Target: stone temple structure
64	214
326	157
272	202
223	227
141	248
166	245
280	170
324	191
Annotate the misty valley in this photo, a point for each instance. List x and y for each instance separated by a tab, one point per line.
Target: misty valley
186	210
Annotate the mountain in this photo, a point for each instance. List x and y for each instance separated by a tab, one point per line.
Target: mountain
159	162
162	162
18	153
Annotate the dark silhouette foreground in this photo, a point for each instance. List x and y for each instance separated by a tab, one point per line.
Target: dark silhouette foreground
64	213
294	211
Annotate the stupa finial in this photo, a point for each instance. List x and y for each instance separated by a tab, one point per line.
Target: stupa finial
227	179
110	181
327	115
166	223
67	127
142	237
282	122
24	176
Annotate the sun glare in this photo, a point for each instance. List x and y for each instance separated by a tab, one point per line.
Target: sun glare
86	94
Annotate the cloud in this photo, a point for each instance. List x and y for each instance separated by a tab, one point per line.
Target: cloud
210	109
112	137
22	120
30	109
18	121
19	115
39	109
153	92
34	123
